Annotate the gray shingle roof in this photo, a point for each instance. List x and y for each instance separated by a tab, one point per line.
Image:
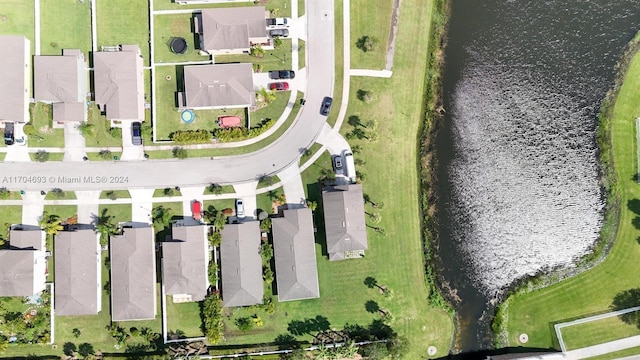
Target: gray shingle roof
133	275
344	220
27	239
119	83
57	78
77	273
232	28
219	86
295	255
14	69
17	272
242	283
185	262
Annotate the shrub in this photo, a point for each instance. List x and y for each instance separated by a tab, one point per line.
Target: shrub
244	324
180	153
41	156
367	43
58	193
213	272
4	193
105	154
214	238
213	324
112	195
29	129
237	134
265	225
201	136
115	132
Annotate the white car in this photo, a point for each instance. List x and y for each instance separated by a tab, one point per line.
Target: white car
239	209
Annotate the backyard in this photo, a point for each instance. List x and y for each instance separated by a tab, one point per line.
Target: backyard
175	25
375	23
183	319
128	24
613	283
72	33
17	18
276	7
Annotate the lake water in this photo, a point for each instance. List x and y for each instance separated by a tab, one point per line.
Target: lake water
518	188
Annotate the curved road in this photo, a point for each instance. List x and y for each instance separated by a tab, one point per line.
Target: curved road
194	172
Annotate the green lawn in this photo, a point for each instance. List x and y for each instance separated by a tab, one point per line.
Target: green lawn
220	204
313	149
120	212
226	189
42	121
339	61
64	195
282	9
98	135
301	54
374	22
175	25
72	33
124	22
594	290
10	214
17	18
617	354
120	194
94	156
184	317
301	7
52	156
597	332
62	211
166	192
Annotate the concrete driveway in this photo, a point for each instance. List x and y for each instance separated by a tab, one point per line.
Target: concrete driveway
129	151
74	143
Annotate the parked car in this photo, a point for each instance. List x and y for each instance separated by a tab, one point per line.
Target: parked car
239	209
136	133
279	32
273	22
196	210
337	163
326	106
8	133
282	74
229	121
280	86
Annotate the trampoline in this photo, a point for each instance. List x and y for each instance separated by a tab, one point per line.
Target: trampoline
187	116
178	45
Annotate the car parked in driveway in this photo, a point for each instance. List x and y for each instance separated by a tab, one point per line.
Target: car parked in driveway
136	133
282	74
279	33
239	209
337	164
8	133
280	86
326	106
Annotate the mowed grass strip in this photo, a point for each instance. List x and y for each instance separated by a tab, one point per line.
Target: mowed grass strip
597	332
124	22
593	291
65	24
373	19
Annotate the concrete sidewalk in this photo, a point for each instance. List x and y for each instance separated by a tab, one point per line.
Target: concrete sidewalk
293	187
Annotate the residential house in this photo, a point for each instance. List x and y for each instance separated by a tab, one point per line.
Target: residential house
219	86
78	276
185	261
15	78
119	83
63	82
241	265
344	221
23	268
231	30
133	275
295	255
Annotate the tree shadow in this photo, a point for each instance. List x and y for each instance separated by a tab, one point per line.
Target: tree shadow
372	307
69	348
308	326
627	299
286	341
634	205
636	222
85	349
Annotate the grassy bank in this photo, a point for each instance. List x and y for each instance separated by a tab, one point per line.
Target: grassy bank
535	312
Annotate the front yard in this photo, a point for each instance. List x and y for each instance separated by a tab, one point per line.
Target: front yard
44	135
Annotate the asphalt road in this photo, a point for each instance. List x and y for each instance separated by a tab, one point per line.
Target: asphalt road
232	169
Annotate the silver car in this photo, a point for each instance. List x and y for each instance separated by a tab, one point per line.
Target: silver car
239	209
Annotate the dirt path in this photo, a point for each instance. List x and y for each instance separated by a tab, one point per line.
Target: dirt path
392	35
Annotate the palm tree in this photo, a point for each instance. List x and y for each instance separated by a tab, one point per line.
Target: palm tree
267	95
371	282
106	226
354	121
50	223
356	149
359	133
161	217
